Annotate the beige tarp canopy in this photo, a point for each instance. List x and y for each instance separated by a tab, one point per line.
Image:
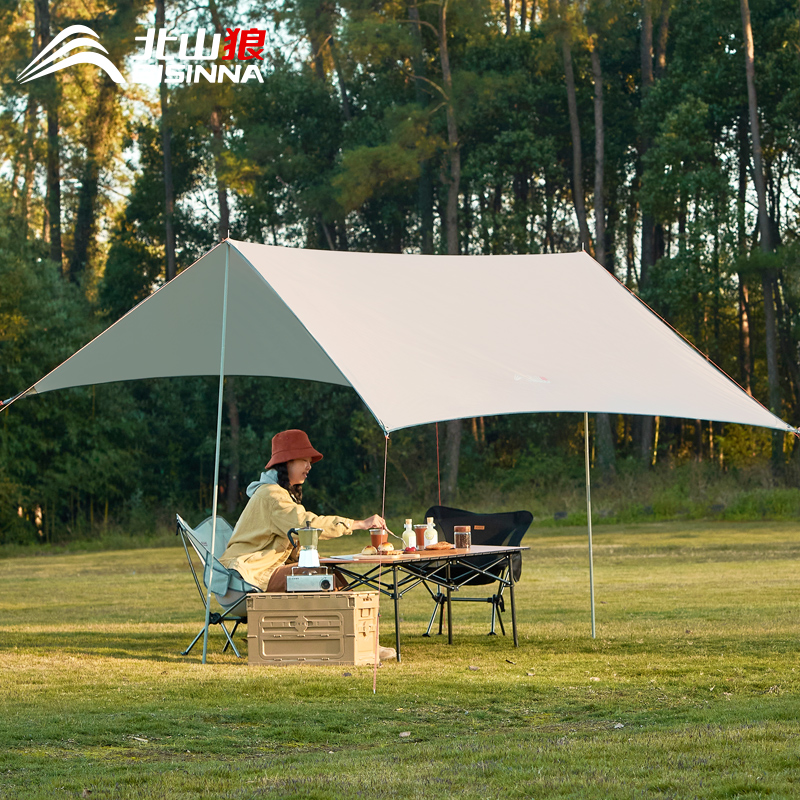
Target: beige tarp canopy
420	338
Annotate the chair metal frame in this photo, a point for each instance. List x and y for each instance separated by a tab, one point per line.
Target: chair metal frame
232	603
494	570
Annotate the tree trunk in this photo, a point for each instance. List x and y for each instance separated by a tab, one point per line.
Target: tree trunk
341	236
425	185
218	145
166	146
425	200
786	312
453	445
768	277
768	287
648	223
169	192
642	431
752	103
29	162
605	438
54	185
232	497
31	125
606	457
614	207
326	232
86	217
53	144
454	179
716	347
631	216
745	350
218	141
661	41
660	70
647	44
452	453
599	160
216	19
317	36
520	191
643	427
466	218
549	235
319	24
577	161
698	440
340	79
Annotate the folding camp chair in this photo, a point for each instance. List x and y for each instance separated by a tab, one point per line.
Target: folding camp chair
500	530
227	586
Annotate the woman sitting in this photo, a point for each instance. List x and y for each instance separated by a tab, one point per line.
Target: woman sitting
260	548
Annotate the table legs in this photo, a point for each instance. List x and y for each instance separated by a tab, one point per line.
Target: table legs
513	603
449	608
396	614
394	592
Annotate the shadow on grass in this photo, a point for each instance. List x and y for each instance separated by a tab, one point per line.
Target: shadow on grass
150	646
488	653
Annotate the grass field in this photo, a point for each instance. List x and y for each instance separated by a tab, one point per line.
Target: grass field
691	688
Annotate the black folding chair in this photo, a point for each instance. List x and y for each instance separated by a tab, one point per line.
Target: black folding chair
499	530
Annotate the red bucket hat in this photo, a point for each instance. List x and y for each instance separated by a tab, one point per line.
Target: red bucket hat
287	445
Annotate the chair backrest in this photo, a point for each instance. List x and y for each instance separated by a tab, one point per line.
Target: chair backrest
224	583
504	529
223	534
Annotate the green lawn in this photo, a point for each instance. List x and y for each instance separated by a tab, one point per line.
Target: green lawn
691	688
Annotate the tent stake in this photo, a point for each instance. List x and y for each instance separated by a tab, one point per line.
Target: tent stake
216	452
589	513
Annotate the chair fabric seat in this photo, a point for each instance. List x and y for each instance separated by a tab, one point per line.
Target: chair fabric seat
227	585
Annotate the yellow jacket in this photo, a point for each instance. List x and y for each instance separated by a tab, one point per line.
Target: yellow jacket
260	544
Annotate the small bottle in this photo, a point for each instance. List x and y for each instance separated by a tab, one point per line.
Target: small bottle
431	537
409	540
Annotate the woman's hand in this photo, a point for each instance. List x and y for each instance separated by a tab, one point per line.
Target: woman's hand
374	521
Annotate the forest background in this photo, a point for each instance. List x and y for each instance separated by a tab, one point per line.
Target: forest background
660	135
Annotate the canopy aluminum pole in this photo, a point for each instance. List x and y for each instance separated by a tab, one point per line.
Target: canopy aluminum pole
216	453
589	513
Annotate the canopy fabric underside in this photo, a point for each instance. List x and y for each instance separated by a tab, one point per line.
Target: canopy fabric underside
420	338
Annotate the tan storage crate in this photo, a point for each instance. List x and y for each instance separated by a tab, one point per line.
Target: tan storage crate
313	628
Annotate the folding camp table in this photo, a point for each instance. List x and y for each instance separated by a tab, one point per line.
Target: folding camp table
396	575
